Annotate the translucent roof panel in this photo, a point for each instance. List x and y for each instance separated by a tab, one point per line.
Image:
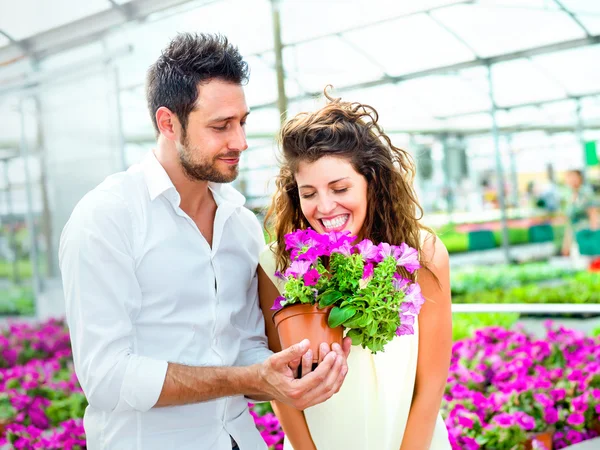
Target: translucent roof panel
311	18
313	65
262	87
409	45
520	81
449	94
583	7
484	27
19	22
591	23
577	69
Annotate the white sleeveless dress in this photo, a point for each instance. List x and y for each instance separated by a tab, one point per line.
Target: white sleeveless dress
371	409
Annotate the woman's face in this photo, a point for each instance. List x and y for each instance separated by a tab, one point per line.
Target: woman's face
333	196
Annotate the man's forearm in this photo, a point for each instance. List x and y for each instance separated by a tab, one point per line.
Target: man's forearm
187	384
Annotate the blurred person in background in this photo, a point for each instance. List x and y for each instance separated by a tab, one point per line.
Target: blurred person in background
159	272
582	211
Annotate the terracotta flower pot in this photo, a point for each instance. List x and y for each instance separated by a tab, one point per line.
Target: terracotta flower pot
545	438
302	321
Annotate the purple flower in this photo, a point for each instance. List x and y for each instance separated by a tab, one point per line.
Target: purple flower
279	275
414	296
408	307
576	419
550	415
504	420
297	269
367	271
406	325
525	421
305	244
405	330
574	436
466	422
311	277
407	320
407	257
367	250
399	282
558	394
277	303
337	239
345	248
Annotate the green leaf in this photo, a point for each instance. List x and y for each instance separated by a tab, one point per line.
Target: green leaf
338	316
356	337
372	328
328	298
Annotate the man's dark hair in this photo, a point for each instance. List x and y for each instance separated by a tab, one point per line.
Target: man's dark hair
191	59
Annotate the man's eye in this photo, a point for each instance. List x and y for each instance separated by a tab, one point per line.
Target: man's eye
220	128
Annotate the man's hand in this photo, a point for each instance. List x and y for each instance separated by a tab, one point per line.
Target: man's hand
277	374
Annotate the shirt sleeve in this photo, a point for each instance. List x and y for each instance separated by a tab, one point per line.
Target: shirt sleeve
102	295
254	348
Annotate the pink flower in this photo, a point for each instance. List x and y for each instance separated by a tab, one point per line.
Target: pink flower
407	257
367	250
277	303
576	419
297	269
414	296
399	282
367	272
311	277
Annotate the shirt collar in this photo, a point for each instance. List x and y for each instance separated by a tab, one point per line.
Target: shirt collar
158	182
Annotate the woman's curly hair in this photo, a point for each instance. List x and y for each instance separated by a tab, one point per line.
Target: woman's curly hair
350	131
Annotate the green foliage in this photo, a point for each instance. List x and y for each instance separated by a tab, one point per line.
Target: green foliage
581	288
464	325
18	301
65	406
503	276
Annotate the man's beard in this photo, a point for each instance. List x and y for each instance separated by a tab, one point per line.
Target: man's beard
205	169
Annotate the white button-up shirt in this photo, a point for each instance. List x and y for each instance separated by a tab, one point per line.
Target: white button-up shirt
143	288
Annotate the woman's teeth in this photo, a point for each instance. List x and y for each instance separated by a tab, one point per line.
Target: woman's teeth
335	223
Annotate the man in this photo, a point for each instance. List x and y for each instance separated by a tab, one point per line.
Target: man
159	271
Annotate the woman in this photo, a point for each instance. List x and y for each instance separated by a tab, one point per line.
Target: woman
341	172
582	213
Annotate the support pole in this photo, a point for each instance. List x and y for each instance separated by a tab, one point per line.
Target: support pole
33	254
499	171
281	96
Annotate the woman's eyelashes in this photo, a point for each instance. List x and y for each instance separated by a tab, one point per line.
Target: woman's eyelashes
335	191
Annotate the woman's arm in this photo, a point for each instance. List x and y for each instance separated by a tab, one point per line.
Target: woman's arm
594	216
292	421
435	346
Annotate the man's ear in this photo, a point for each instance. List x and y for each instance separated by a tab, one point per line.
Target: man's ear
166	121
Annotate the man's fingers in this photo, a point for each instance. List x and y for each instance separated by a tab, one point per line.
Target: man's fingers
347	346
290	354
294	366
323	350
307	361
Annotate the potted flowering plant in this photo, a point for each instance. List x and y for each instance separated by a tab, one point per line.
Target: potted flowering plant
359	288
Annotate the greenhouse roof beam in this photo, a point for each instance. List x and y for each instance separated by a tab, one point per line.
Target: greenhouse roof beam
526	53
521	105
365	25
573	17
82	31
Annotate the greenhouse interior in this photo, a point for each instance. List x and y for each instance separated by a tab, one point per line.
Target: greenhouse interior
496	101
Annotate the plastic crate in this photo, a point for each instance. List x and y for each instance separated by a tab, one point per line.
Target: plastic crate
588	242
